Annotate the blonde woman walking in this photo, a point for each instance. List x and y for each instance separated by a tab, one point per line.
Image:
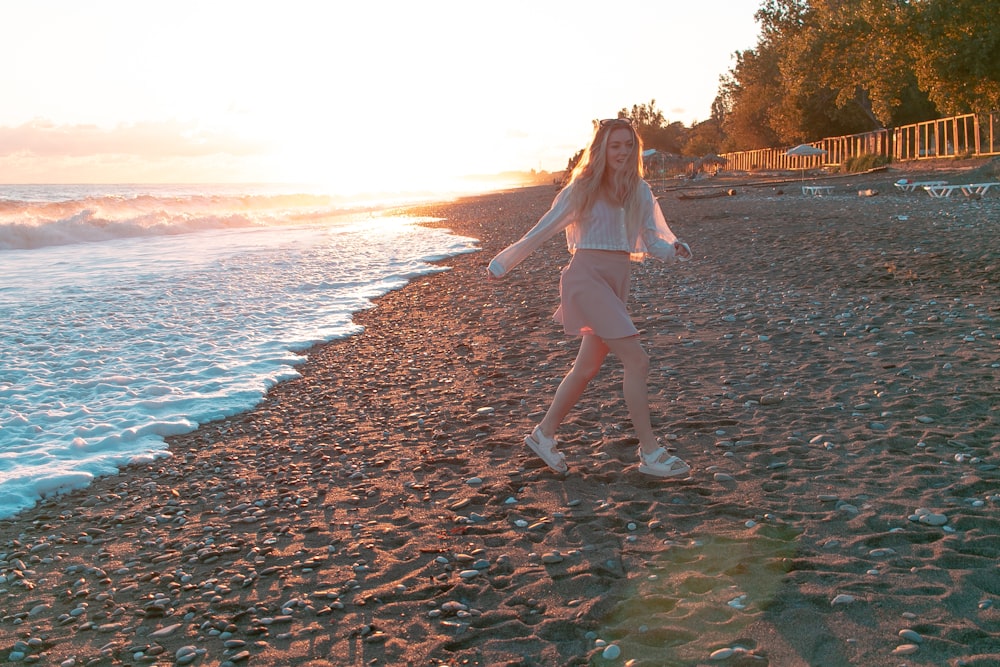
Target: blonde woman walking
610	218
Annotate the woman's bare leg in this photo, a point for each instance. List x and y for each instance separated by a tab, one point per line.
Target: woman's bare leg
588	362
634	386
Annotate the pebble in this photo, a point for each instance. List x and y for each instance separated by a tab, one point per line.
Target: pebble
848	508
905	649
38	610
725	653
165	631
611	652
882	552
186	655
843	598
722	654
928	517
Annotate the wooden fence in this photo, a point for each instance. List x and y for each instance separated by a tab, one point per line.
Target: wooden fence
968	135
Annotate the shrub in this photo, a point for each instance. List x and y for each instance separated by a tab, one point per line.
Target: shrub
865	162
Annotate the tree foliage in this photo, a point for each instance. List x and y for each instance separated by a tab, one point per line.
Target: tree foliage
958	63
745	104
825	68
654	128
832	67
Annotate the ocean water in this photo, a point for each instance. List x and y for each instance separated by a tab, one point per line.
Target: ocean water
132	313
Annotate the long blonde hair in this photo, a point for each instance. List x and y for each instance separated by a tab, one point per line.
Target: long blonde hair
590	177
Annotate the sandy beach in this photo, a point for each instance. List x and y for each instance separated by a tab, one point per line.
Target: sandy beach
829	366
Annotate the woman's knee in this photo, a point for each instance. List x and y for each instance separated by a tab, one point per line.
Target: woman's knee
634	358
589	359
585	371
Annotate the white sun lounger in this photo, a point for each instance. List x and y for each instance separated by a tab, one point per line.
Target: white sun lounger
817	190
968	188
977	188
910	186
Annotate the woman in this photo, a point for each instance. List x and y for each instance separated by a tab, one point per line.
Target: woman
610	217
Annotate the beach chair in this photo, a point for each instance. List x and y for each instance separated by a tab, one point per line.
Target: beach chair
910	186
942	190
817	190
970	189
977	188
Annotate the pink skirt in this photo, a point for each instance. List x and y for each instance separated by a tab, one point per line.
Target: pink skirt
593	293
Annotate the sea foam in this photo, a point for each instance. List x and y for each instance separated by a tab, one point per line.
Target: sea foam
108	347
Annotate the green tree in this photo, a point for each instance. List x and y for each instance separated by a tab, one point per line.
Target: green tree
744	104
704	138
832	67
823	50
573	161
865	51
958	62
655	130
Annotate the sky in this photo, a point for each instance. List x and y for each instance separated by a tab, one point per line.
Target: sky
355	95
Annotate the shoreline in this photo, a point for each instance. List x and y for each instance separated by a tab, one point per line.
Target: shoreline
812	364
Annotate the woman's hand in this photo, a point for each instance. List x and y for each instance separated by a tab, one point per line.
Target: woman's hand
682	250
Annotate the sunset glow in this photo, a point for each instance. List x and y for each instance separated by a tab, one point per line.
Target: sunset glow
359	96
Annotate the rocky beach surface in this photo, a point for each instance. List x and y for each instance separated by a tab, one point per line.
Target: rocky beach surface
829	366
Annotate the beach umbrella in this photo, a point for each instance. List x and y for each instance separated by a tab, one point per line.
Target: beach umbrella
804	150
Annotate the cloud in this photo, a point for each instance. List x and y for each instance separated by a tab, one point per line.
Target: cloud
107	168
147	140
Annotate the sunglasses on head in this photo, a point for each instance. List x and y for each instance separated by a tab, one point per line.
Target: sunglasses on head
614	121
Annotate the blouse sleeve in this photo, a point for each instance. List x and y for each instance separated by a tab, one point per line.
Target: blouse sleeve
554	221
656	239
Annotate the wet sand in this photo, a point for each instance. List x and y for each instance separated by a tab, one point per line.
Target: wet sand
829	366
